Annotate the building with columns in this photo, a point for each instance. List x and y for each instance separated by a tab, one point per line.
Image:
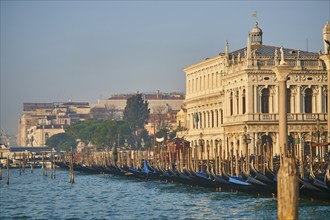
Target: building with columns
234	97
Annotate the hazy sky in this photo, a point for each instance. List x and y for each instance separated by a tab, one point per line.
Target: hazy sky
87	50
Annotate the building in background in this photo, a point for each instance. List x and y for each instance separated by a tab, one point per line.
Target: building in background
40	121
234	95
163	108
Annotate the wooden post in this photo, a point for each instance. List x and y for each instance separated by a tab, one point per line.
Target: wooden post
8	170
220	160
20	165
43	164
301	159
24	162
71	168
287	190
54	166
31	163
231	162
236	164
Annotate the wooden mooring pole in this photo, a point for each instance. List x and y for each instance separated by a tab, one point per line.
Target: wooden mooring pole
71	168
7	170
287	189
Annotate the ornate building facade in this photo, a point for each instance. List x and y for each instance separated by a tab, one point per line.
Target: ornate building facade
233	97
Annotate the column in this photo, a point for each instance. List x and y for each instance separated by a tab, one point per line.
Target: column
282	73
249	99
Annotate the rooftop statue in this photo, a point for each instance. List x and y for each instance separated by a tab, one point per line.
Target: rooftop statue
282	62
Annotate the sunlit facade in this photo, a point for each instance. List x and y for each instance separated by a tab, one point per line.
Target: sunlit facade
239	89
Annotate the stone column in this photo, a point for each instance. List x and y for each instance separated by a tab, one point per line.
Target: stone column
282	73
249	99
287	184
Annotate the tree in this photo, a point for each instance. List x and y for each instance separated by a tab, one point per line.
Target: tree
61	142
136	112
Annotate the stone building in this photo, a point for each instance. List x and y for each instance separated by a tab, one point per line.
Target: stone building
233	97
163	105
39	121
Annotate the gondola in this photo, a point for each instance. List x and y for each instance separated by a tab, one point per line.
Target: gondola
238	183
262	178
221	183
327	178
62	164
317	182
261	188
82	168
308	190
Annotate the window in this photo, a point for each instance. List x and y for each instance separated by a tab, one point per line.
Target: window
308	100
237	102
221	116
288	100
243	102
265	100
46	137
217	117
212	118
231	103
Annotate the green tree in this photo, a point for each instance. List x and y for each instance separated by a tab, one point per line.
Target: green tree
62	142
136	112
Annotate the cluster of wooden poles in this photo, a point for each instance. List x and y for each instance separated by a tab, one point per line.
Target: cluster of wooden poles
28	160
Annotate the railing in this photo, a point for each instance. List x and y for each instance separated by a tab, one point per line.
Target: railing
299	117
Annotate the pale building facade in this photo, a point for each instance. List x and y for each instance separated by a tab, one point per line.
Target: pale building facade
163	108
239	89
40	121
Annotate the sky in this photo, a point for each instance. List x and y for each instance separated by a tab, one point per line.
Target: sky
88	50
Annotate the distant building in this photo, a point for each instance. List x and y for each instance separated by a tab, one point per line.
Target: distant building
40	121
181	120
163	105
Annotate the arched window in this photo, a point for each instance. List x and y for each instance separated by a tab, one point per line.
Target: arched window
288	101
217	117
46	137
243	102
265	100
204	117
221	116
308	100
237	102
212	119
197	84
231	103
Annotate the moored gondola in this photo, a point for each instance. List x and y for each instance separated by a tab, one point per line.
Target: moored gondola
262	178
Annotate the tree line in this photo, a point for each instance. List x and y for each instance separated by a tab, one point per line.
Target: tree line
103	134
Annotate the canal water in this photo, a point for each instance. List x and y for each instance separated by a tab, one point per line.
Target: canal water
33	196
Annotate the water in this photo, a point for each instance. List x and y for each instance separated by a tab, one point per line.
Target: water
33	196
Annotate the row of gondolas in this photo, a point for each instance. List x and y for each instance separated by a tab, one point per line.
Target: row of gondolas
312	186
